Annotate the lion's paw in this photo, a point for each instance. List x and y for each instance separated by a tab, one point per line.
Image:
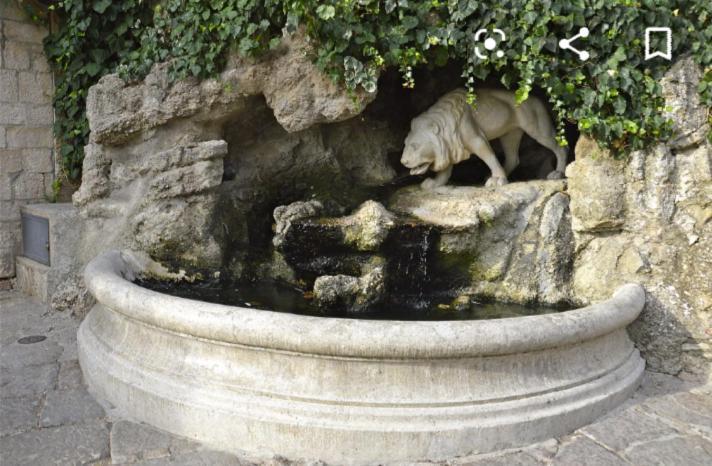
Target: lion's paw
494	181
429	184
555	175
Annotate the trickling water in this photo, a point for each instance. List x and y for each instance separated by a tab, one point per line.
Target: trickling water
408	251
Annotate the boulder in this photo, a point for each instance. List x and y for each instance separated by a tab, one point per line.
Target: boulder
511	243
367	228
353	294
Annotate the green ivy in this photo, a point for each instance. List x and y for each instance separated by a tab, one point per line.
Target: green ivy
93	37
615	96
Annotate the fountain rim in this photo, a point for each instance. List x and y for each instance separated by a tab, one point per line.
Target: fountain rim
108	277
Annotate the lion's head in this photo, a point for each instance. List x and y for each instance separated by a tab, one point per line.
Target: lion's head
433	142
420	151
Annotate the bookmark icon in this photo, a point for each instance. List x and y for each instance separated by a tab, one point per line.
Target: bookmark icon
667	52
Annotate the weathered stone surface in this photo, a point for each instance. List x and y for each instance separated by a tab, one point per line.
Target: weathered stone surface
18	414
354	294
299	94
286	214
368	226
362	148
72	296
618	430
198	458
131	442
513	243
509	459
30	381
594	207
650	223
70	375
692	451
73	406
18	355
165	206
582	451
73	444
689	116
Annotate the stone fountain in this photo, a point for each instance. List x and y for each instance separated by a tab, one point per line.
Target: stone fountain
270	171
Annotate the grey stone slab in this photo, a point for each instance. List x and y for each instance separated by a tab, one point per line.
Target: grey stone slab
696	403
683	415
18	414
197	458
687	451
582	451
131	442
70	375
28	381
655	384
17	355
67	339
65	445
510	459
69	407
621	429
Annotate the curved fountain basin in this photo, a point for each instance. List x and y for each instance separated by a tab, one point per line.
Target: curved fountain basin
351	391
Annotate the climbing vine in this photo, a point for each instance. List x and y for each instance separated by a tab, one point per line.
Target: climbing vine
614	96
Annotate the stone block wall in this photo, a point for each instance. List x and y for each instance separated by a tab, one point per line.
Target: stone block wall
26	116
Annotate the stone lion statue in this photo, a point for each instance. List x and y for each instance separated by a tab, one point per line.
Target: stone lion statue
451	130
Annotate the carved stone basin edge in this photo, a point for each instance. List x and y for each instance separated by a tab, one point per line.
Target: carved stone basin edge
350	391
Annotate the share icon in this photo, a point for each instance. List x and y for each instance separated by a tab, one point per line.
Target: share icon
565	44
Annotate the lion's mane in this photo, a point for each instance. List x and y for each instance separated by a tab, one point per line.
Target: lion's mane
440	125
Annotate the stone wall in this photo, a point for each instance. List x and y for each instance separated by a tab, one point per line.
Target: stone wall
26	116
648	219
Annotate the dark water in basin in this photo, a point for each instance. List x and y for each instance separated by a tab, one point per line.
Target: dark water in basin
280	297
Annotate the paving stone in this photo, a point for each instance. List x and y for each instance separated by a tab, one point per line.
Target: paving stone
65	445
655	384
67	338
696	403
70	375
69	407
30	381
619	430
131	442
18	355
510	459
582	451
18	414
680	414
687	451
197	458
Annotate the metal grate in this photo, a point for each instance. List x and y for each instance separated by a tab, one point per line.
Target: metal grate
35	238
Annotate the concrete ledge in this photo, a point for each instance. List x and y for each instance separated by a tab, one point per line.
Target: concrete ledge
350	391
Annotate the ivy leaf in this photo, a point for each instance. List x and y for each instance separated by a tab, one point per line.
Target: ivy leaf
92	69
100	6
326	12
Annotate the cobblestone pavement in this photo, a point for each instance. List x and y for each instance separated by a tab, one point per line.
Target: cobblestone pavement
48	417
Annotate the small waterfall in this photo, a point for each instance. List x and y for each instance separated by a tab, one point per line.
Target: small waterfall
408	251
